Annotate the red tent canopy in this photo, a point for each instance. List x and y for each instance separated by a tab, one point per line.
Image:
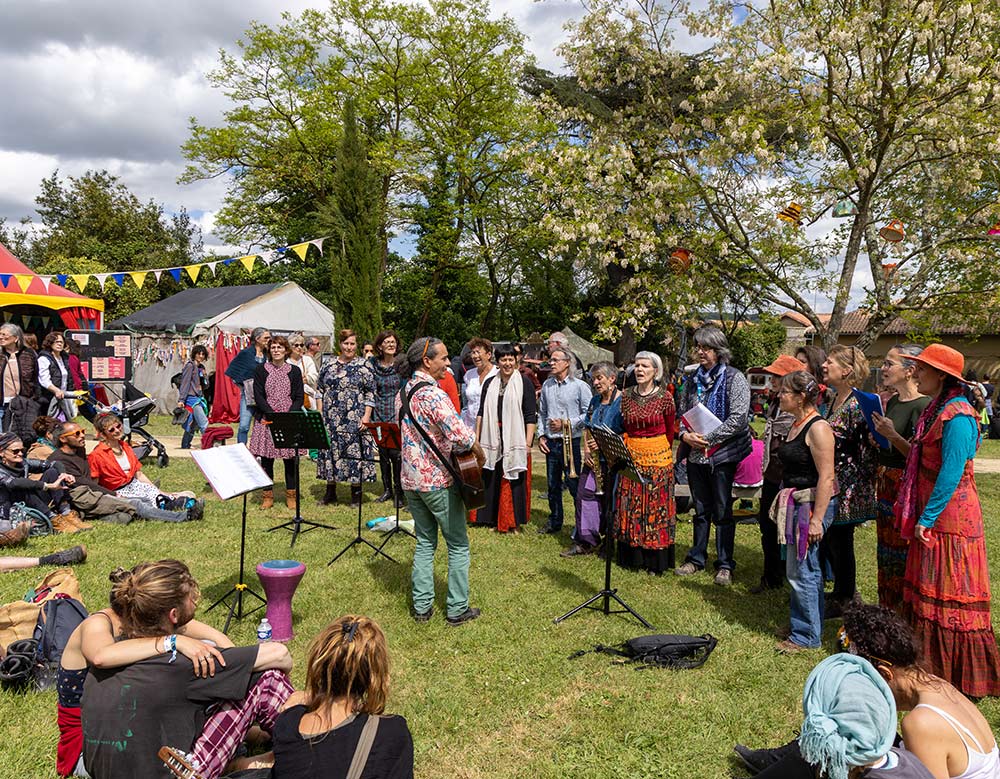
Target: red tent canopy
21	286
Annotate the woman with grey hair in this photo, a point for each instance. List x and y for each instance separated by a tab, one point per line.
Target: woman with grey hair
605	410
713	455
18	383
645	517
241	371
897	426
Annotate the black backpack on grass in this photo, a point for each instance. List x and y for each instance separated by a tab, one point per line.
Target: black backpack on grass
661	651
57	620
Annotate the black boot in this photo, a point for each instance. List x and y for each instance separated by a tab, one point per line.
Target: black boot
330	498
385	466
355	495
387	495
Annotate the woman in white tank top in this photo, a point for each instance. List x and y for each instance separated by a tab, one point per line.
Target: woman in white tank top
942	727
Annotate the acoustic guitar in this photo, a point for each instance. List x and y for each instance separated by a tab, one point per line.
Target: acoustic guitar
469	479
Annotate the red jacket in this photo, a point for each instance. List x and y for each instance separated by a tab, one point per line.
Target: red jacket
105	468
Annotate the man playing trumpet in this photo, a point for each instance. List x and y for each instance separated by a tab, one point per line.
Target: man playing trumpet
562	407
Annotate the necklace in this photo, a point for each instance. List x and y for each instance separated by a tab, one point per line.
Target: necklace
801	421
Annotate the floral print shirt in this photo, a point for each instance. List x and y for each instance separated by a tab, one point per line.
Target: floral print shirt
854	464
422	471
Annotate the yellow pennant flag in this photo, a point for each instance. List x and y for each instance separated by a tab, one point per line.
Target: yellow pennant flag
23	280
137	276
81	280
193	271
248	262
301	249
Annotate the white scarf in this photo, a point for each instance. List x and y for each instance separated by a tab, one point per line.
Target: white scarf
514	446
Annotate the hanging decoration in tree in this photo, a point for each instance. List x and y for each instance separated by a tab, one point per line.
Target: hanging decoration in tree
893	231
680	260
844	208
791	214
994	232
887	269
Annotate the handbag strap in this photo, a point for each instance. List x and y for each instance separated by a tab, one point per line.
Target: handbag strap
405	408
364	747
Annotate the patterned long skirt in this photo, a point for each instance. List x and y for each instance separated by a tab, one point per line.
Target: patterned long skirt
508	504
946	598
645	516
891	548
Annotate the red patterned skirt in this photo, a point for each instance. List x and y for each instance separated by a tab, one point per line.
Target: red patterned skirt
946	598
645	517
891	548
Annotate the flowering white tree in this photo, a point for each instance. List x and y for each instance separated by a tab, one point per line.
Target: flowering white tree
885	107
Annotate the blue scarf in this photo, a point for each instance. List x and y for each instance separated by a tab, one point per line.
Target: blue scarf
710	387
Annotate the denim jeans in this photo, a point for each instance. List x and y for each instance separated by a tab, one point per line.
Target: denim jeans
246	416
554	465
199	420
441	508
712	494
805	609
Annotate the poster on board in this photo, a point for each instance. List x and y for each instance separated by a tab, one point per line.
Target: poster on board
105	355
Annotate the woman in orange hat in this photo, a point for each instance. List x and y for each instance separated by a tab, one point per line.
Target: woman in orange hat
946	589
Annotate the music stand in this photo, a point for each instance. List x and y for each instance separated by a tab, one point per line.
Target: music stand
232	471
620	460
298	430
386	435
359	539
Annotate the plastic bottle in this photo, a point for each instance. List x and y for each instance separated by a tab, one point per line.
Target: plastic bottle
371	523
263	631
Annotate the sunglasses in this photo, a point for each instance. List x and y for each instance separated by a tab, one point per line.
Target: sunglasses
16	451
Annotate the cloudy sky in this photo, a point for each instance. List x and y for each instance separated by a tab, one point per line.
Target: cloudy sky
92	84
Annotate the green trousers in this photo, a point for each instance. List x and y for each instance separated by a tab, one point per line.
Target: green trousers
443	509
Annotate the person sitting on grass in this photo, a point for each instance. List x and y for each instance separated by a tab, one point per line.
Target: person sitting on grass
942	728
43	445
130	711
92	500
116	468
17	487
72	556
95	643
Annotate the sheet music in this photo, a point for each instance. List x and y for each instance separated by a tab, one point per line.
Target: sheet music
231	470
700	420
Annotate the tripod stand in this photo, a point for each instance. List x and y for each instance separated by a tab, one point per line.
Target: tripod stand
616	453
240	589
359	539
299	430
386	435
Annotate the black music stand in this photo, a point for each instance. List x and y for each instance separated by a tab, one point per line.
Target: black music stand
619	459
359	539
387	436
232	471
298	430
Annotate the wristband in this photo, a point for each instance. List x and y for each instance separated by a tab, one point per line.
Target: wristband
170	645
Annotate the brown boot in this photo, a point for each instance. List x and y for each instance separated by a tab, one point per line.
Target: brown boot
290	498
68	523
267	499
75	517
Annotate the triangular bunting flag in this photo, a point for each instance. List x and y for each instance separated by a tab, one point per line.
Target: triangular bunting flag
24	280
248	262
46	280
175	272
138	277
81	280
157	273
61	279
230	261
193	271
7	316
5	280
118	278
212	266
301	249
318	243
102	279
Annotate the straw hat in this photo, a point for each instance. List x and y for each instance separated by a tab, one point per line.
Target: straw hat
784	365
944	359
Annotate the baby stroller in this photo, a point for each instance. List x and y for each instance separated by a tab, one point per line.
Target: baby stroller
134	407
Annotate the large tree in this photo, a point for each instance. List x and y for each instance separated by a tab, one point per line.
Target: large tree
888	107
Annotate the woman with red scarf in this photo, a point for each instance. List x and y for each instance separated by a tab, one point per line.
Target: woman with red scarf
946	590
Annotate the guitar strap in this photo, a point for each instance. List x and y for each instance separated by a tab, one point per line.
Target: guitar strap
405	412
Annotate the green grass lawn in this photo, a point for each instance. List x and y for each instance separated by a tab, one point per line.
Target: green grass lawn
498	697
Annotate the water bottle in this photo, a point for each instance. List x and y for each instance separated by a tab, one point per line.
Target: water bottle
263	631
371	523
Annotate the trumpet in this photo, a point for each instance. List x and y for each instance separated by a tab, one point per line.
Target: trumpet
595	462
567	432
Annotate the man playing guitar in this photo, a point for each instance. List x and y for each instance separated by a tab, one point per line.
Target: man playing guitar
431	430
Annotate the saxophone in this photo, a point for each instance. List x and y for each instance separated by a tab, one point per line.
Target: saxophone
567	432
595	462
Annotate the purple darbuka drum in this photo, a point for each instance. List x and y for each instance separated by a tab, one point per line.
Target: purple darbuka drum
279	578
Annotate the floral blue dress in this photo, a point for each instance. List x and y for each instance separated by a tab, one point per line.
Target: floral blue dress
346	388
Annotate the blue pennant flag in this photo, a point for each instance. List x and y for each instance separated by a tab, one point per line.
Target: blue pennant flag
230	261
118	278
5	278
176	273
61	279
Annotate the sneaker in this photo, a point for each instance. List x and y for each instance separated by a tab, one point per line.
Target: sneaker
789	647
422	616
466	616
759	759
196	511
724	577
688	569
548	530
